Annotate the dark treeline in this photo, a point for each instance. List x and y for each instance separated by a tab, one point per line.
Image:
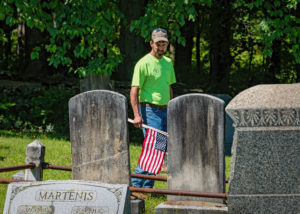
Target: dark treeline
219	46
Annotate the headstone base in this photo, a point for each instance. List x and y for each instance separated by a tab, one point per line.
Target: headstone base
271	203
137	206
190	207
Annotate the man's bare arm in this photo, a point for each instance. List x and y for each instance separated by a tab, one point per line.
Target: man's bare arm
134	100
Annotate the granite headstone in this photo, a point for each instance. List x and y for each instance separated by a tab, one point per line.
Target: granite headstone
265	172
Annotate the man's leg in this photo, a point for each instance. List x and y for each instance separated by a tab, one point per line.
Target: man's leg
139	182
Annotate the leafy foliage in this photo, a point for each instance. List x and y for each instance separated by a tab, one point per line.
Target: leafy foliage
168	14
83	35
278	22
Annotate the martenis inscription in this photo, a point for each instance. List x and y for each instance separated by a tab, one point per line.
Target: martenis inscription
65	196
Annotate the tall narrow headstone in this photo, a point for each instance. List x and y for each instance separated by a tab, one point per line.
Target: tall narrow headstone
99	137
196	145
265	172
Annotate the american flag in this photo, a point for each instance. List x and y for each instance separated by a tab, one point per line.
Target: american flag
153	151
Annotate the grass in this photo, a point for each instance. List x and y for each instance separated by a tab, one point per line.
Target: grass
58	152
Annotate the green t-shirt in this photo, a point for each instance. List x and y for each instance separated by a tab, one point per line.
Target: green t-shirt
154	76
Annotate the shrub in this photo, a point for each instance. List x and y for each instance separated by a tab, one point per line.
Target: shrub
43	109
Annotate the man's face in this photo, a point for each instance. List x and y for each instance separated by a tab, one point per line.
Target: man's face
159	48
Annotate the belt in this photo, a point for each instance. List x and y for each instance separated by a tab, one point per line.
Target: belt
153	105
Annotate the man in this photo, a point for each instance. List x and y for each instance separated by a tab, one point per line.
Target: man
151	91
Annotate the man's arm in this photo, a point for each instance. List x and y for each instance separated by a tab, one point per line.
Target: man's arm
134	100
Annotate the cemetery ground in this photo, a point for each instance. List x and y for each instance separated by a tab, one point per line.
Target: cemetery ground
58	152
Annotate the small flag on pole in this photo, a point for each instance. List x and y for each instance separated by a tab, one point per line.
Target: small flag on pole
153	151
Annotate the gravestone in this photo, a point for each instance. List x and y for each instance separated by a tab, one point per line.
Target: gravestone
228	125
99	137
196	145
195	151
66	197
265	172
35	153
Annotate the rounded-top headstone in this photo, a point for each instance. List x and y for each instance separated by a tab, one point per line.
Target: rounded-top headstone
196	145
99	137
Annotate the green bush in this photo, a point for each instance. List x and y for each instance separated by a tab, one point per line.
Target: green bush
51	109
43	109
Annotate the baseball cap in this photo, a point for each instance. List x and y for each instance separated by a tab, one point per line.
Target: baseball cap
159	34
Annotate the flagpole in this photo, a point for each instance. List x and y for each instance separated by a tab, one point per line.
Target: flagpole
149	127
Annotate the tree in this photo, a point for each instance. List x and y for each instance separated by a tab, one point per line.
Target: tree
183	53
89	37
132	46
220	39
279	25
82	35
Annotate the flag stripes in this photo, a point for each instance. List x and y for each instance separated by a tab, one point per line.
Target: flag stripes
153	151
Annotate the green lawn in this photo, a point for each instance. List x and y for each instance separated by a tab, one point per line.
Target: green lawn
58	152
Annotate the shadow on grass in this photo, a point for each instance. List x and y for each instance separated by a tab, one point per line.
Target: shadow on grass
31	134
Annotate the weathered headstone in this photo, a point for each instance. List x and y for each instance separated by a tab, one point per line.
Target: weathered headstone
265	172
99	137
35	153
195	154
228	125
66	197
196	145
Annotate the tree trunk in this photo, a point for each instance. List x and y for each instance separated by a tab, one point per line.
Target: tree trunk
273	63
220	37
35	69
95	82
198	52
6	48
132	46
297	66
183	54
21	46
198	37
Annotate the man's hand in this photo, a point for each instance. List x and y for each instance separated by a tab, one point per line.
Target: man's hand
138	121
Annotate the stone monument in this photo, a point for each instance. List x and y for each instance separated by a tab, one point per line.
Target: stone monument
64	197
195	151
265	172
99	137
